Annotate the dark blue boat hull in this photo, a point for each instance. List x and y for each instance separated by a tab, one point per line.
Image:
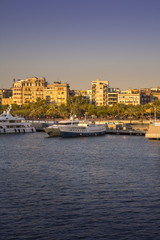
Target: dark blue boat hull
77	134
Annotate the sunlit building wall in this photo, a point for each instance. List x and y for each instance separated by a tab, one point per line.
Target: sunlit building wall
129	98
57	93
17	91
31	89
99	92
5	96
112	98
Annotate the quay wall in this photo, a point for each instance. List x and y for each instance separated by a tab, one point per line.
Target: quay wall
112	125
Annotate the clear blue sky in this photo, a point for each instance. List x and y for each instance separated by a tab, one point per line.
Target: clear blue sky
78	41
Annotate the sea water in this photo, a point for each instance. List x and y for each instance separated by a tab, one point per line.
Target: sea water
104	187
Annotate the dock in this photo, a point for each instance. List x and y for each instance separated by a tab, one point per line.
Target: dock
126	132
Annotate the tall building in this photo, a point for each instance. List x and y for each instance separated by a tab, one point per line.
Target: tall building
57	93
99	92
31	89
28	90
17	91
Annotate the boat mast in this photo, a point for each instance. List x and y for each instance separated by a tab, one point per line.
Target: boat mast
155	114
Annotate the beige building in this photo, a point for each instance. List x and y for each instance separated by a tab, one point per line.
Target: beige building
99	92
28	90
87	94
7	101
5	96
129	98
112	98
31	89
17	92
57	93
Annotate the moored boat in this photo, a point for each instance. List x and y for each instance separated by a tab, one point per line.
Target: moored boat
11	124
153	131
54	130
83	129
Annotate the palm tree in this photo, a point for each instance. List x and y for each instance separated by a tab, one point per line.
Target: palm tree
63	111
129	112
140	111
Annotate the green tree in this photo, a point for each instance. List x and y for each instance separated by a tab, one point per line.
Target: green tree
63	111
51	111
77	105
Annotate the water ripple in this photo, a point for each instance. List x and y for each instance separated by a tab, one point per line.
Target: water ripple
86	188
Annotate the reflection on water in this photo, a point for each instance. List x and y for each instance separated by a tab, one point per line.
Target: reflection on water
84	188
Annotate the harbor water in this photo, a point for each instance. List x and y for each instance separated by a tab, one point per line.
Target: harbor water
104	187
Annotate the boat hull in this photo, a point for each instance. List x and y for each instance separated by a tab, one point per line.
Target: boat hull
10	124
81	134
53	132
17	130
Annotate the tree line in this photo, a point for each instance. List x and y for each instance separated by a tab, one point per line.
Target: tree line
79	107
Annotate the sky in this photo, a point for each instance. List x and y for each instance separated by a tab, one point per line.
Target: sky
78	41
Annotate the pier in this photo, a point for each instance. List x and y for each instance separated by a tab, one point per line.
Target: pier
126	132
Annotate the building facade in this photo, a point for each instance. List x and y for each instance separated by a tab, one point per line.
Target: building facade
129	98
31	89
112	98
17	91
5	96
99	92
28	90
57	93
7	101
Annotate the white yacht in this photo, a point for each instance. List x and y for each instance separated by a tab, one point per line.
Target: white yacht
10	124
54	130
153	131
83	129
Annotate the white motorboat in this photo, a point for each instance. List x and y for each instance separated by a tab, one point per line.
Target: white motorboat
153	131
83	129
54	130
11	124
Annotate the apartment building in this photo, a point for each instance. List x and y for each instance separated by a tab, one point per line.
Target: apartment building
155	94
129	98
17	92
57	93
5	96
28	90
31	89
112	98
99	92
